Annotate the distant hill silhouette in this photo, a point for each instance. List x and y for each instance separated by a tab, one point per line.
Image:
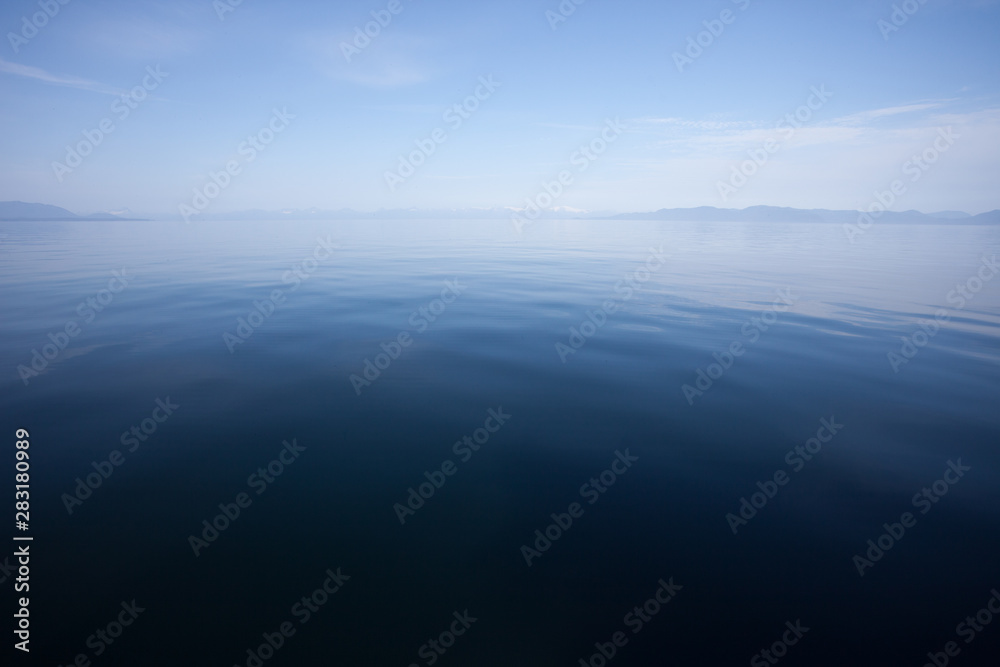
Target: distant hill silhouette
781	214
19	210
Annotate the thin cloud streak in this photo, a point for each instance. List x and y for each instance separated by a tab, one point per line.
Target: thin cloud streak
69	81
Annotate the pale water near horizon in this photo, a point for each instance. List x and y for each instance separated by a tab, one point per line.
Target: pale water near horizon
585	333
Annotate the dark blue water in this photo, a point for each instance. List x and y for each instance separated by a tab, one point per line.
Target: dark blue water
509	378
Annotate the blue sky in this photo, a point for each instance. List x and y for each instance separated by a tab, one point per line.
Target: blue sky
224	73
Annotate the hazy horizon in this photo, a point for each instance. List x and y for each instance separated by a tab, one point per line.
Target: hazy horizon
555	212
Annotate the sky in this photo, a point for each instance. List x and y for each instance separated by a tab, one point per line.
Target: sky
227	105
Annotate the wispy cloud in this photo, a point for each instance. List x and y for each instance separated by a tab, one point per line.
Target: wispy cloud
866	117
434	109
565	126
690	137
65	80
145	30
390	61
696	124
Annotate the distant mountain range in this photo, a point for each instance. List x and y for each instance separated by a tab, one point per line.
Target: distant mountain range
781	214
15	210
19	210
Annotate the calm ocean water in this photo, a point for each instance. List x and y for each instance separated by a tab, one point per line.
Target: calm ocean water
395	408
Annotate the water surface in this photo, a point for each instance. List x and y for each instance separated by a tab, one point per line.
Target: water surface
821	355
